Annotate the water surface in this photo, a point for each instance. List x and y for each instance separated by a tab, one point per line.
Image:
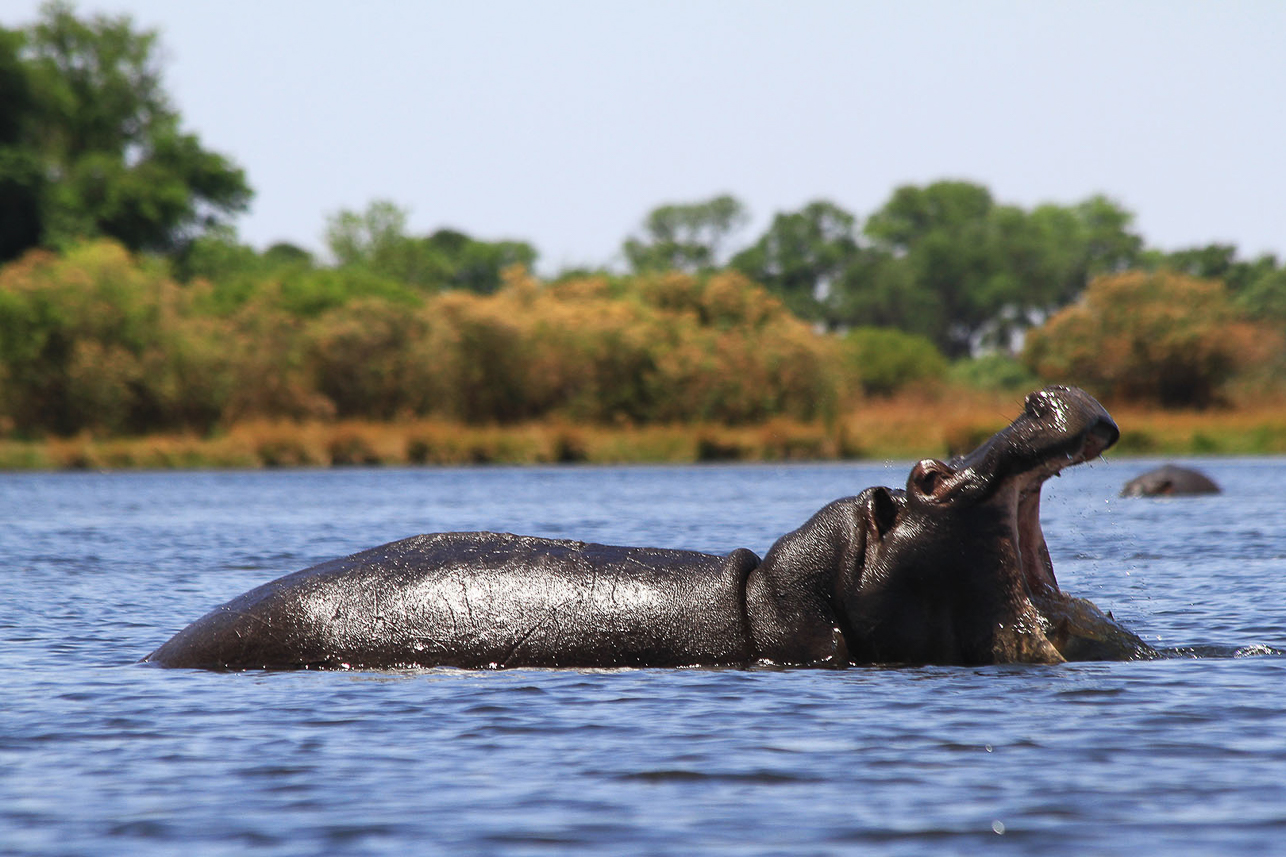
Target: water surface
99	755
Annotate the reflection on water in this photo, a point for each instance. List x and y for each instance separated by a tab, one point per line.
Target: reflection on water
1183	755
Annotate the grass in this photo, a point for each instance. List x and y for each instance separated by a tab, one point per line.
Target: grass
910	426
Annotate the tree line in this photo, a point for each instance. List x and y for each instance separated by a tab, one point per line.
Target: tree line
97	339
129	304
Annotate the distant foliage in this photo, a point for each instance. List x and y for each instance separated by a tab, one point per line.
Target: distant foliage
690	237
376	241
100	341
96	341
995	371
1265	297
1160	337
885	361
655	349
802	256
90	144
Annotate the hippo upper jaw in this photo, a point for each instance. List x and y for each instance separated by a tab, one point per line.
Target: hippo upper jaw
1059	427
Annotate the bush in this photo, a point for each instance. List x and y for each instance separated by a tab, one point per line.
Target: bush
884	360
1002	372
1152	336
358	357
97	340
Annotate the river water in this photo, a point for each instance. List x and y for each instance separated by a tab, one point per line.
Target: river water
101	755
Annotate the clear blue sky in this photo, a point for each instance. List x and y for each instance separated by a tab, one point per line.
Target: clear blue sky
563	123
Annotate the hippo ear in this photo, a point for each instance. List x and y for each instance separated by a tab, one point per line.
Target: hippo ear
881	511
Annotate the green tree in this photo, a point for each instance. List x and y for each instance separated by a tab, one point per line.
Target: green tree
950	263
688	237
1215	262
1109	245
377	240
110	155
1211	262
880	290
21	179
802	255
477	266
1265	298
939	233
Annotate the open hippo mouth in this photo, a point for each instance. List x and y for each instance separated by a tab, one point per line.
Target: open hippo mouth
1033	554
991	497
1060	427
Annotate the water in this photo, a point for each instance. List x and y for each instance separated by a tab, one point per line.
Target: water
99	755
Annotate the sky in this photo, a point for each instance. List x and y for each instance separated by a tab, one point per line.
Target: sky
564	122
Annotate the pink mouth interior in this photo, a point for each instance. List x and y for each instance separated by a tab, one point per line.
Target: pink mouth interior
1037	567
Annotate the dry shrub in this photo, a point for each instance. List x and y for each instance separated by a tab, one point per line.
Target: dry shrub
100	341
266	354
94	340
358	356
1148	336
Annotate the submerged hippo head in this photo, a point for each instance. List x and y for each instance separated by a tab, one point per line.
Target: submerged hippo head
956	569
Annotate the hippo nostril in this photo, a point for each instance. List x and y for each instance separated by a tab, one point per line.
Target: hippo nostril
1105	431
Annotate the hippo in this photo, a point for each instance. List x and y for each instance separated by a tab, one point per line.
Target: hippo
953	569
1169	480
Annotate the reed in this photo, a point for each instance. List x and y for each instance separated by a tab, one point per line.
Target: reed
932	422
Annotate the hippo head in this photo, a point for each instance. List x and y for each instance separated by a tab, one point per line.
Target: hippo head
956	569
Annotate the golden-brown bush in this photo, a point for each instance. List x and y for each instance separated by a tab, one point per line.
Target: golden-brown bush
1148	336
97	340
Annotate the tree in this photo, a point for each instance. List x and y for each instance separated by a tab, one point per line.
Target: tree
880	290
1110	246
447	259
950	263
21	180
110	156
219	256
1265	298
376	239
940	234
688	237
802	255
478	266
1211	262
1215	262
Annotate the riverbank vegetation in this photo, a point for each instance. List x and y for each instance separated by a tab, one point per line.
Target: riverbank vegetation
906	427
139	331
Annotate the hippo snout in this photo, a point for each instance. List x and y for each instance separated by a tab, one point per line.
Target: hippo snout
1071	410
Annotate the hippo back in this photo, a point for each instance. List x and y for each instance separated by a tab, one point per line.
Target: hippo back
483	600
